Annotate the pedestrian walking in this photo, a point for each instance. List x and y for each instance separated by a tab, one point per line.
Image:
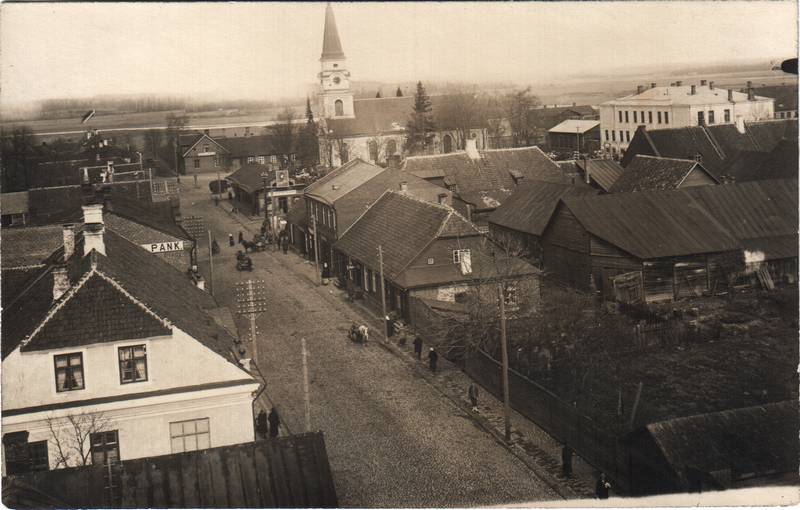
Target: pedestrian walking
241	237
418	347
433	357
261	424
230	195
230	240
601	489
473	395
274	422
566	460
285	244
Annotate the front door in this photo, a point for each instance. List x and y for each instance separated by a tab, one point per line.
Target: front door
105	452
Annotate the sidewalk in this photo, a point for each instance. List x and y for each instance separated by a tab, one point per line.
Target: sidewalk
534	447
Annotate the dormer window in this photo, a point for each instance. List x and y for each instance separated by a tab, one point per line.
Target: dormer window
457	255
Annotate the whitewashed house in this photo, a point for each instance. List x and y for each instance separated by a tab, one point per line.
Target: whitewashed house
115	339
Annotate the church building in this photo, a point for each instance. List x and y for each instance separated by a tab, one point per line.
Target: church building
372	129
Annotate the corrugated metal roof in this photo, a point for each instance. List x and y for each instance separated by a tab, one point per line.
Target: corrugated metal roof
573	126
604	172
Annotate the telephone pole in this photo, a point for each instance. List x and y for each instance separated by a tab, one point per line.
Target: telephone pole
211	265
383	296
252	300
316	245
504	347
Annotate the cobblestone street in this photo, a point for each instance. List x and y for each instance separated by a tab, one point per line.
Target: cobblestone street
394	437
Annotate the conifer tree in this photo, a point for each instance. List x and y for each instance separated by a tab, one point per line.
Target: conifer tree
308	145
420	125
399	92
378	95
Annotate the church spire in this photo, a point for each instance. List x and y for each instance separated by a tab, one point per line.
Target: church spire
331	46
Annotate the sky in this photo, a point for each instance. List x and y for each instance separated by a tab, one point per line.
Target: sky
271	50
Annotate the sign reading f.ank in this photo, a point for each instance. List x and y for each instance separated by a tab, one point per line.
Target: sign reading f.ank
163	247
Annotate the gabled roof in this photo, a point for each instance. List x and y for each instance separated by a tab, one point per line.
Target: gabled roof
604	172
574	126
530	207
128	274
758	439
204	138
651	224
403	226
353	204
493	170
342	181
249	176
651	173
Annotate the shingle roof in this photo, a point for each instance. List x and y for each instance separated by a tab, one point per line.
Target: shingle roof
756	439
494	170
249	176
651	224
573	126
529	208
604	172
27	246
650	173
342	180
287	472
403	226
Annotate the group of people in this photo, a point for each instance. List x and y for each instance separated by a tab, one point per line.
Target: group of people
268	424
433	356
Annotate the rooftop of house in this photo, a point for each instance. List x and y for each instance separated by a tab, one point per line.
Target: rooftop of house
290	471
297	213
250	177
531	205
547	117
785	96
575	126
491	170
127	293
681	96
651	173
604	172
341	181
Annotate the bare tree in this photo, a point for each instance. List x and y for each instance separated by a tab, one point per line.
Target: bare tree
154	138
517	105
461	111
285	132
71	436
377	148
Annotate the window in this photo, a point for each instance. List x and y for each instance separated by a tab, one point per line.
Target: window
659	117
391	147
216	161
251	159
191	435
510	295
620	115
621	136
69	371
273	159
701	118
196	163
338	107
205	148
457	255
698	157
261	160
37	456
606	134
22	456
430	261
105	448
132	364
649	117
711	117
613	136
727	114
634	118
666	117
627	136
626	115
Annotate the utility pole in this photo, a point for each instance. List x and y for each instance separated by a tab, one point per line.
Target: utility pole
316	245
252	300
383	296
211	265
306	395
504	347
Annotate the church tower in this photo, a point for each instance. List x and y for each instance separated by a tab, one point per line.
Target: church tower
336	99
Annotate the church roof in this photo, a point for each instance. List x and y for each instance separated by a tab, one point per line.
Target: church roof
331	46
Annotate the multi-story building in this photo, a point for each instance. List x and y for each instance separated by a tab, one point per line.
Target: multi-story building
109	354
677	106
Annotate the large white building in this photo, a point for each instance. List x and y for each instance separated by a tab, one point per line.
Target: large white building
109	353
677	106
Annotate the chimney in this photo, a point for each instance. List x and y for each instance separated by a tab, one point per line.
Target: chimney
585	171
652	85
751	94
403	187
442	198
678	83
740	124
703	83
693	90
334	187
60	282
472	149
749	85
730	95
711	85
93	229
88	134
69	241
639	89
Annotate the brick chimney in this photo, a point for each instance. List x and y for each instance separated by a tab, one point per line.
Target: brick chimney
639	89
60	282
69	240
703	82
711	85
678	83
93	229
442	198
472	149
751	94
403	187
730	95
653	85
740	124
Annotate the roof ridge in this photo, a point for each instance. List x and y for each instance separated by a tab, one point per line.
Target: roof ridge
663	157
510	149
423	156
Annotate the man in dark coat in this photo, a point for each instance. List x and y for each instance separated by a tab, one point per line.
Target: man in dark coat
274	422
261	424
241	237
418	346
566	460
601	489
433	357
